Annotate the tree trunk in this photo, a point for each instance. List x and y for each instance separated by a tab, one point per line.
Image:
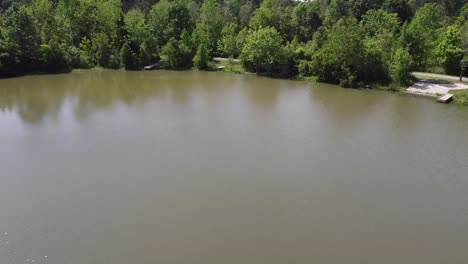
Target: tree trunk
462	67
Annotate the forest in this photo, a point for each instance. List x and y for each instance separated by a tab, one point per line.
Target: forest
346	42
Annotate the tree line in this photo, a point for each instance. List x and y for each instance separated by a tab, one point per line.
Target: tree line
347	42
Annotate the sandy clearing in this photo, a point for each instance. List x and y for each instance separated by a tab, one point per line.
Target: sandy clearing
434	88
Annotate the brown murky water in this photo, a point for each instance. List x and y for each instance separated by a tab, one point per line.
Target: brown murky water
192	167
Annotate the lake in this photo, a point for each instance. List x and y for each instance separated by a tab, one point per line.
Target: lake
119	167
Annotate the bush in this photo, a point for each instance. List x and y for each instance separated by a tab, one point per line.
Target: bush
461	97
400	69
129	58
201	58
53	58
177	54
263	52
342	58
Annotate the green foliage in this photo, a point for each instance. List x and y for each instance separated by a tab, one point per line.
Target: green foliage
450	50
53	58
246	12
129	58
400	67
177	54
137	31
452	7
168	19
263	17
209	26
277	14
336	10
241	38
306	20
22	38
380	29
159	22
227	44
460	97
399	7
340	59
421	35
338	41
139	37
361	7
263	51
201	58
85	54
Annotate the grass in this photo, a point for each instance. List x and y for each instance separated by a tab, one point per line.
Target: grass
460	96
95	69
305	78
229	66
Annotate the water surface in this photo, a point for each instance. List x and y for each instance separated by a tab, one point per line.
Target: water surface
193	167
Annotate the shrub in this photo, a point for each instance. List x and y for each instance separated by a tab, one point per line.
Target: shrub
400	69
129	58
201	58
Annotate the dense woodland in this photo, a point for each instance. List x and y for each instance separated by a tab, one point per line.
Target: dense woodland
347	42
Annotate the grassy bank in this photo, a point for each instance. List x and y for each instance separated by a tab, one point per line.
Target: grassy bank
227	65
460	97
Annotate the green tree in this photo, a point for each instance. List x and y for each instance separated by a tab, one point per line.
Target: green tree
227	44
400	69
168	19
263	51
201	57
139	37
241	38
274	13
306	20
96	21
360	7
246	12
381	30
209	25
177	54
399	7
263	17
422	33
56	40
451	6
336	10
450	50
129	58
342	57
22	39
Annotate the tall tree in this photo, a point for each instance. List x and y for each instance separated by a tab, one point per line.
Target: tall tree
227	44
263	50
399	7
22	38
422	33
168	19
340	59
209	26
306	19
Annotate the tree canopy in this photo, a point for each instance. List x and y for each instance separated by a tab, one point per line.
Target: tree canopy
339	41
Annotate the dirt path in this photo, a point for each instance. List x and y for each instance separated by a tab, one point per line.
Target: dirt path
225	59
435	88
425	75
